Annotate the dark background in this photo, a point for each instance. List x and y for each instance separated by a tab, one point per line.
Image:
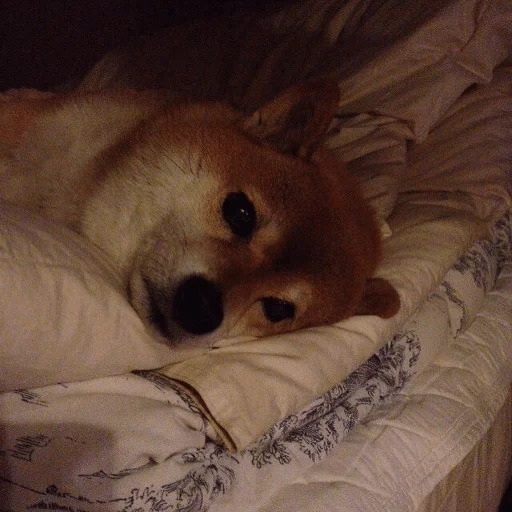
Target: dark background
45	43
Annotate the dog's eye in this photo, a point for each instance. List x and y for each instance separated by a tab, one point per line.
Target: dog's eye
239	213
277	309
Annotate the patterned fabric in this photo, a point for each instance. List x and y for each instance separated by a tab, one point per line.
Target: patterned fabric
145	447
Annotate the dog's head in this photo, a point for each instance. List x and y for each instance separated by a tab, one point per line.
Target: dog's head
228	225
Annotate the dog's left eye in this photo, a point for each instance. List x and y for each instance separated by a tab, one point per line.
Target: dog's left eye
277	309
239	213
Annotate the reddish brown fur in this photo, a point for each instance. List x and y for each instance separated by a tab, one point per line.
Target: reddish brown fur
316	243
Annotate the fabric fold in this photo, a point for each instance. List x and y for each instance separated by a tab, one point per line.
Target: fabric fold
247	387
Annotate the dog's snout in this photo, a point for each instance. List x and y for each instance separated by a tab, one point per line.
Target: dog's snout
197	305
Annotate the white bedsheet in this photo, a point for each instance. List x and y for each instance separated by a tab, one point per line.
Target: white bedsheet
395	459
134	443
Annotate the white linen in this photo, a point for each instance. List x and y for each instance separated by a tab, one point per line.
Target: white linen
63	314
476	130
132	443
480	480
392	461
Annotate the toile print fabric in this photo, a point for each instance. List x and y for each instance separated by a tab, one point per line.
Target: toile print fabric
136	443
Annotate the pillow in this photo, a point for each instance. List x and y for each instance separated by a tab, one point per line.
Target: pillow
63	314
470	150
399	75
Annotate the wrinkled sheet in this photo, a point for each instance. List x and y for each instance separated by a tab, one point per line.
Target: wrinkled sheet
60	301
404	449
136	443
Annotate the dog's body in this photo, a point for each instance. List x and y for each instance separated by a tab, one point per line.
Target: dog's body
220	224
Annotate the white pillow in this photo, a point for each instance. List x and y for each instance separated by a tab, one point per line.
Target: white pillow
399	75
63	314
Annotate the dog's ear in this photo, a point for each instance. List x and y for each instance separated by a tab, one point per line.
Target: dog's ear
380	298
297	120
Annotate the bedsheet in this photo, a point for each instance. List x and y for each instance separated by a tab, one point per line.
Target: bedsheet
137	443
404	449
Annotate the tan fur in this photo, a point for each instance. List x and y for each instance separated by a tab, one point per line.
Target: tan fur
145	178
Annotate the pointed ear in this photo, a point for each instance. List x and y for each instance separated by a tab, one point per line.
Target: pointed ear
380	298
297	120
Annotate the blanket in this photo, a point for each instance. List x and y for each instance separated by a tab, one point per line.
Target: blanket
450	198
136	443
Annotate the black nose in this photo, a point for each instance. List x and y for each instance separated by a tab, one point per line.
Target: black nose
197	305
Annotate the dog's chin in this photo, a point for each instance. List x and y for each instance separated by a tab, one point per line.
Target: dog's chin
179	339
170	333
154	320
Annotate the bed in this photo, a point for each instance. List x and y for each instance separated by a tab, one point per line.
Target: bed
413	413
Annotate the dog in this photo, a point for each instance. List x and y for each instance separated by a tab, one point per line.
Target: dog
221	224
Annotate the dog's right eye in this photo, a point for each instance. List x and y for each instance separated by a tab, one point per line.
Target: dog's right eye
239	214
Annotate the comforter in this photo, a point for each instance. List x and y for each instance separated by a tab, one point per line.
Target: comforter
136	442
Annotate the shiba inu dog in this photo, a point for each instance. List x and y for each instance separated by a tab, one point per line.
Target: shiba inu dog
221	224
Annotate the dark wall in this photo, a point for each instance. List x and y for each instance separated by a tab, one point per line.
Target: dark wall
44	43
